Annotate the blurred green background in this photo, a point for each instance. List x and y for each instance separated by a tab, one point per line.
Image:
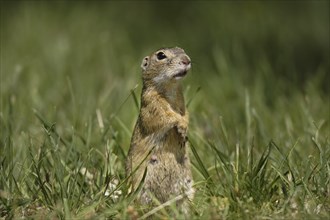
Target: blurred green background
261	69
68	59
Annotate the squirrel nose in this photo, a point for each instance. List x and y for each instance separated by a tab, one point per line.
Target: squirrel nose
185	60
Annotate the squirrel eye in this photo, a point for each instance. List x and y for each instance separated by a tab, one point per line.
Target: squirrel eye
161	56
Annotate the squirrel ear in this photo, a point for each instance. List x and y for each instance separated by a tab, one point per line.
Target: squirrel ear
145	63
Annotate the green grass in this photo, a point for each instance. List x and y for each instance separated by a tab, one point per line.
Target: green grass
258	97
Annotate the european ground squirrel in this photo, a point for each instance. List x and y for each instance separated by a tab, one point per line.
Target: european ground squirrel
159	141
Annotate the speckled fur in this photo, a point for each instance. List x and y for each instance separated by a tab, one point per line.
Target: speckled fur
162	127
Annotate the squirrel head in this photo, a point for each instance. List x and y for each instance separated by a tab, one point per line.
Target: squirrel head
165	65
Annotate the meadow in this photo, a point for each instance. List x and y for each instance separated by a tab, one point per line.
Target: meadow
258	96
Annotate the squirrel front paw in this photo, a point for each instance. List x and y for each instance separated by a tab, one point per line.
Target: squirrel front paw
182	128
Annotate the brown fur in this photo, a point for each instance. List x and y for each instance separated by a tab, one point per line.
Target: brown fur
162	128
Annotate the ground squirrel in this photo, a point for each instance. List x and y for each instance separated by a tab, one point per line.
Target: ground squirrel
159	141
